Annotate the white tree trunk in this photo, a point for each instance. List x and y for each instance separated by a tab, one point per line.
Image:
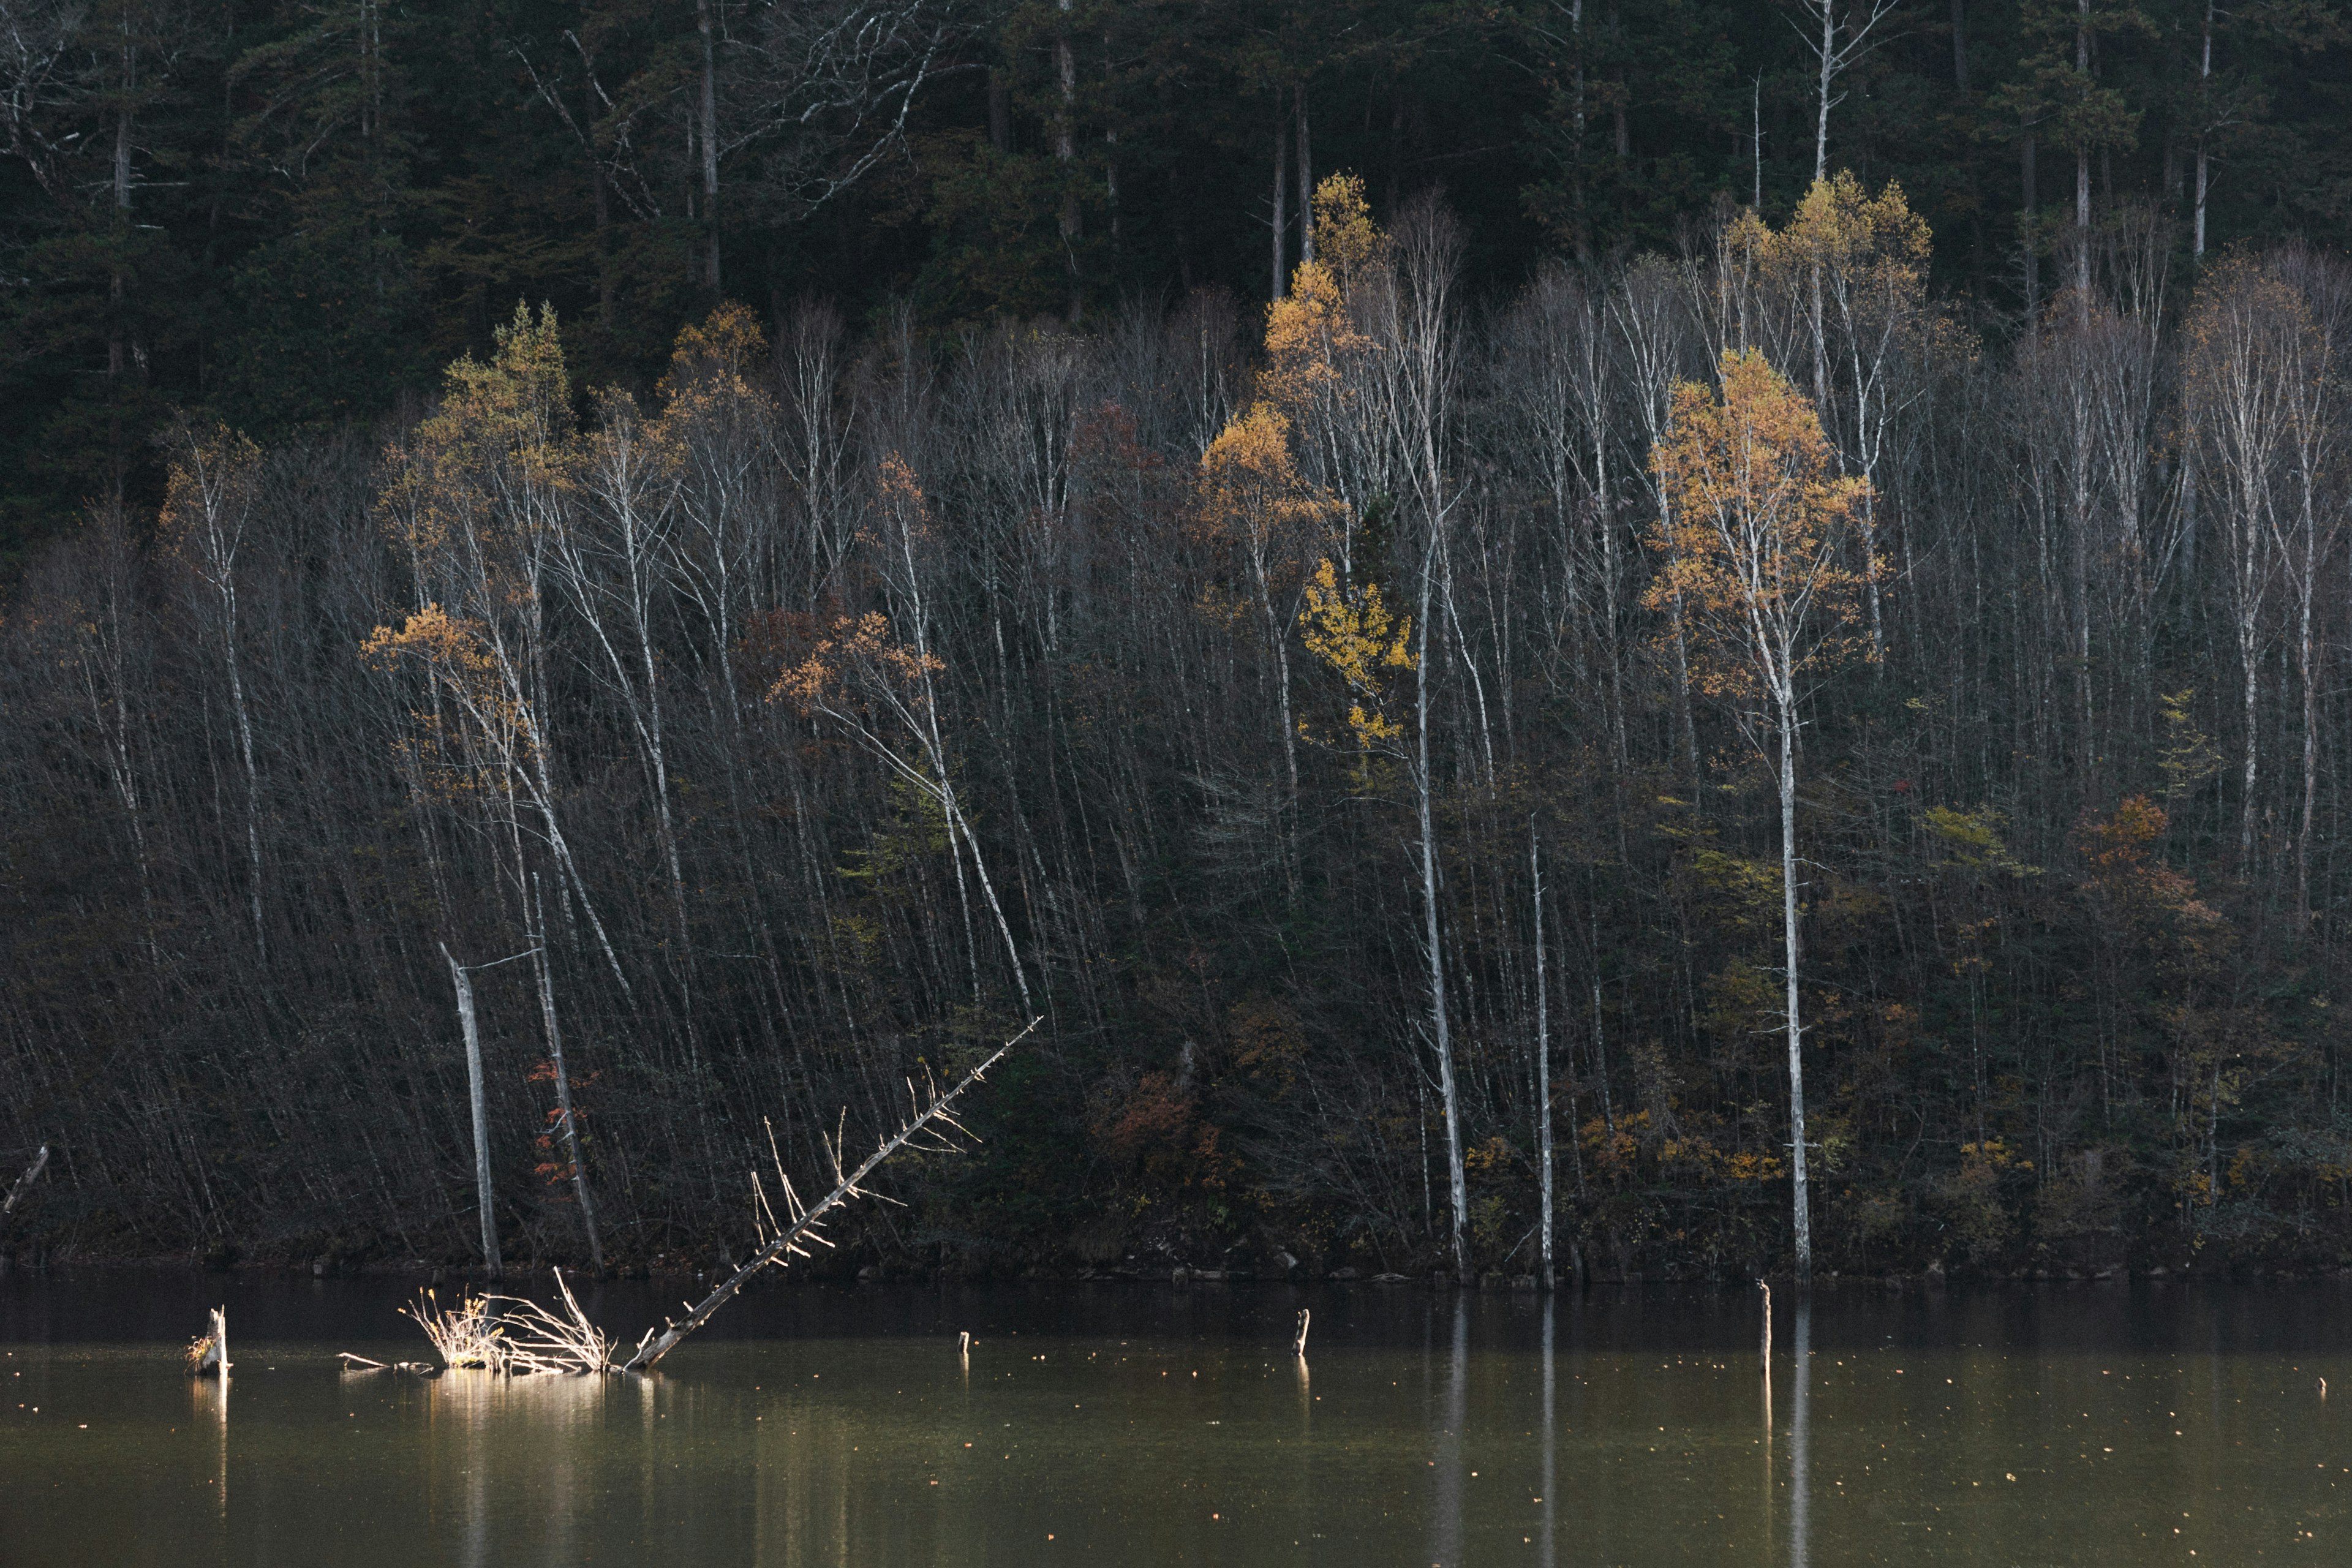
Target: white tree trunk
1440	1031
1785	702
1543	1076
481	1112
562	1078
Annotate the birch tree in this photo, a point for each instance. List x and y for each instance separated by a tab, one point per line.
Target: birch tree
207	506
2246	334
1755	557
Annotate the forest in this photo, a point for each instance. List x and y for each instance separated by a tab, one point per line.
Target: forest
1719	624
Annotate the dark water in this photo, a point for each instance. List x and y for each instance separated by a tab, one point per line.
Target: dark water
1114	1425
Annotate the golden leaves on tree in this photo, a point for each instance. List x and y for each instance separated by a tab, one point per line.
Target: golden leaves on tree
1755	548
855	643
1350	630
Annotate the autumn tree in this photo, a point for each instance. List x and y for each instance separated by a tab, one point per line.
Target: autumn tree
1251	497
1856	267
1755	551
880	683
477	497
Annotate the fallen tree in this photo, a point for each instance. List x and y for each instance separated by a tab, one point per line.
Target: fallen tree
510	1335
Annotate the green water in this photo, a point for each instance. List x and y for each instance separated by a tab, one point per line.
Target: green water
1137	1424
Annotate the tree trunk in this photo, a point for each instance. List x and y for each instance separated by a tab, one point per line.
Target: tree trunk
562	1078
709	109
1305	178
2027	180
1456	1178
2250	660
2306	662
1065	152
2083	236
24	1183
1543	1075
1804	1213
2082	175
1281	211
2205	107
807	1225
1829	75
481	1113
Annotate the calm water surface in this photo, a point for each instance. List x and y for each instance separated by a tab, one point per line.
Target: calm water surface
1123	1424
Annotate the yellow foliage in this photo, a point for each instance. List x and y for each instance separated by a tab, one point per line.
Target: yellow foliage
855	642
1350	631
1877	241
1347	240
1486	1159
460	657
726	345
430	634
1311	332
498	443
210	486
1250	487
718	369
1754	525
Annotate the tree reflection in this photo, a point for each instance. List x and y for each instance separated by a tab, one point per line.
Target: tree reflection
1445	1518
1551	1475
1800	1436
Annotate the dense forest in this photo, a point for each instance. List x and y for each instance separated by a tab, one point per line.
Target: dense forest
1740	605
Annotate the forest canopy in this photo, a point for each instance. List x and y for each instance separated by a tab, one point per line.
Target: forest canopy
1753	596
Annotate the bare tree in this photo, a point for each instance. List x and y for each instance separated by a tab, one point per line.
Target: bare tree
204	515
2246	332
1840	33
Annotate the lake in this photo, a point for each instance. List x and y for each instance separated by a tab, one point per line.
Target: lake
1116	1424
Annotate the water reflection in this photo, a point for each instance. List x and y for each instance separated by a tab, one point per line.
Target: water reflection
1454	1414
1550	1436
1486	1428
1800	1382
212	1409
500	1436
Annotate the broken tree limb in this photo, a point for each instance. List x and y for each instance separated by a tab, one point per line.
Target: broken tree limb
25	1182
786	1244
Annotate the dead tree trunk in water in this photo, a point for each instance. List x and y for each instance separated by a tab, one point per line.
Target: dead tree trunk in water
806	1223
210	1351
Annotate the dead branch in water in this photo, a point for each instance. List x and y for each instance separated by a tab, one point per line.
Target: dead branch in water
506	1334
361	1364
537	1340
512	1335
922	1131
470	1334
